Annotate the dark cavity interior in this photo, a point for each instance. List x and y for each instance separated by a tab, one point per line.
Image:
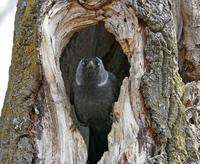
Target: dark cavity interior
93	41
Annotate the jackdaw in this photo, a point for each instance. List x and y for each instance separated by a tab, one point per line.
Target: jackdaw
93	92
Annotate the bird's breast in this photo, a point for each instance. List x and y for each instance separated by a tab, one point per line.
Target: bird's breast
93	106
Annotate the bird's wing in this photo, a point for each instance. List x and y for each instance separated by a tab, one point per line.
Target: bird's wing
72	93
114	84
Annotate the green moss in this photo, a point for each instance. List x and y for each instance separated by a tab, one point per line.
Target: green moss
23	82
163	85
177	145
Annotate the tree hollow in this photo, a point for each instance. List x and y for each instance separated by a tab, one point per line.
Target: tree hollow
93	41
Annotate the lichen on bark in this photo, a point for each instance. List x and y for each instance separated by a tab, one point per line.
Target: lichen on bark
24	81
162	86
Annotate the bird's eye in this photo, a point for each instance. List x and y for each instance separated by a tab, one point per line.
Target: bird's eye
84	62
97	63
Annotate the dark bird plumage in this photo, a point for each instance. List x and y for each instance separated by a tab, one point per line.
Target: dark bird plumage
93	93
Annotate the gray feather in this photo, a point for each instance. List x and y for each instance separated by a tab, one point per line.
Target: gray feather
93	93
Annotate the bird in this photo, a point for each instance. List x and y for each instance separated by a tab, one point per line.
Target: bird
93	93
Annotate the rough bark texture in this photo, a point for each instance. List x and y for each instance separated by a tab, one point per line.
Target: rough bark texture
158	114
17	143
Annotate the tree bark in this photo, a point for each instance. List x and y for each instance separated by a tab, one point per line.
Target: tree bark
158	106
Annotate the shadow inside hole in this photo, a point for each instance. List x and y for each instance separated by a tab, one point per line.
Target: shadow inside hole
93	41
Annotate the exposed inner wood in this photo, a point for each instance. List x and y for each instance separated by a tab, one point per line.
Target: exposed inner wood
94	5
63	21
189	43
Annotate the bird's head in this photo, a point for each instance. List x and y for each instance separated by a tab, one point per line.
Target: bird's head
91	71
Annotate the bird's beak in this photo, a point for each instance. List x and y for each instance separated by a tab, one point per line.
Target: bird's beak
91	64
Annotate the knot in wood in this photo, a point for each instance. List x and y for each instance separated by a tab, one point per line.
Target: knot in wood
94	4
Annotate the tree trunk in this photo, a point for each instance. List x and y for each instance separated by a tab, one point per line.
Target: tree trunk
154	43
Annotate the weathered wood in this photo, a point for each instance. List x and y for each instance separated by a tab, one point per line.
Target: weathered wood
157	113
190	43
56	32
